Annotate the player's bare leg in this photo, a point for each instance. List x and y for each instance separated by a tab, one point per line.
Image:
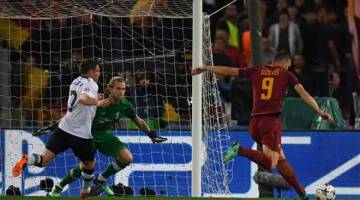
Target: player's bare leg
125	156
123	159
289	175
33	160
273	155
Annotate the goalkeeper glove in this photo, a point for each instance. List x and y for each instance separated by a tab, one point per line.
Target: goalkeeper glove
46	129
156	139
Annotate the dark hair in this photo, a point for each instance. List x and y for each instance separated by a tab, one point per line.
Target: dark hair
87	65
282	57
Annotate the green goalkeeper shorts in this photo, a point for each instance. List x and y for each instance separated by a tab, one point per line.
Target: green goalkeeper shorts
108	144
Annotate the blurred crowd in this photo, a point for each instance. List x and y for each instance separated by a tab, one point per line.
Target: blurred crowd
314	32
44	55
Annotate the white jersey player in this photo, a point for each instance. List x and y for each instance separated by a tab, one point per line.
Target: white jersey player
74	130
78	118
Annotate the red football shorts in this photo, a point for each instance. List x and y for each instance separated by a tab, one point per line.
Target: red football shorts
266	130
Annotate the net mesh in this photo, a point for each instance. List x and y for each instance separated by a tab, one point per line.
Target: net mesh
69	8
146	42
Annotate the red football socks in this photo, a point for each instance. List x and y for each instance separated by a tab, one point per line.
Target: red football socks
257	157
288	173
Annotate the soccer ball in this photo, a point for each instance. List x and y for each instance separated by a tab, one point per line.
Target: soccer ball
325	192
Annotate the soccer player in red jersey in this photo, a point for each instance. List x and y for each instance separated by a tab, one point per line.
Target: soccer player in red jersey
269	84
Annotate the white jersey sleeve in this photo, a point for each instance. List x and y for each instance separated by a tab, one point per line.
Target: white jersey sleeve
89	90
78	118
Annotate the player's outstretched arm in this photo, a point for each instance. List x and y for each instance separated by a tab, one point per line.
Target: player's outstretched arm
311	102
46	129
87	100
152	134
227	71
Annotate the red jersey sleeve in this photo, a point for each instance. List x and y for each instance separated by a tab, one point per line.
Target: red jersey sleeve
292	79
247	72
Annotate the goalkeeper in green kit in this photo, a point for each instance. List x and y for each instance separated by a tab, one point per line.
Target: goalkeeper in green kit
103	138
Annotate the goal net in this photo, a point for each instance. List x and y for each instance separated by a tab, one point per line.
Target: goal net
146	42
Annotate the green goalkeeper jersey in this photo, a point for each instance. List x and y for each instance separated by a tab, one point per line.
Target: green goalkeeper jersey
105	118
